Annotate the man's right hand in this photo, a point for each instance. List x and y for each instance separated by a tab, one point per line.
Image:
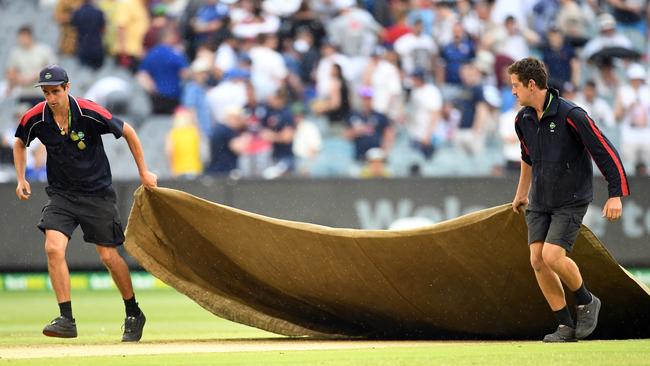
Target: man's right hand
23	190
519	203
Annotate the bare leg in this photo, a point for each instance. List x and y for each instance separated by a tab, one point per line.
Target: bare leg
555	257
55	245
547	279
118	269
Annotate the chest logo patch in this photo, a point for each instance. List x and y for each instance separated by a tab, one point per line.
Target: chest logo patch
552	126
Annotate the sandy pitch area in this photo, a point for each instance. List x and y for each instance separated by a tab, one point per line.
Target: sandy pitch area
211	346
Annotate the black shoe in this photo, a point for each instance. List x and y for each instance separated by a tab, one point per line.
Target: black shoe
133	326
587	317
563	333
61	327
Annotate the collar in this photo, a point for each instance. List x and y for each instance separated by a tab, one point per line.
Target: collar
75	110
551	103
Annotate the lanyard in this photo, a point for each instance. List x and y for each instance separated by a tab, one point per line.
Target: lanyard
69	123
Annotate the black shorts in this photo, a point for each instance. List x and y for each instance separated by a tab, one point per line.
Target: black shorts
560	226
97	216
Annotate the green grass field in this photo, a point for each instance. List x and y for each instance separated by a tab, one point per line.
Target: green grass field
174	320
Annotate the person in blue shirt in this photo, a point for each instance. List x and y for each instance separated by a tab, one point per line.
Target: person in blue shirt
161	73
278	127
460	51
368	128
89	22
228	141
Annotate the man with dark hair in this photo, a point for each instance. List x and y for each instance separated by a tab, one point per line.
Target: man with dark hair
79	189
557	137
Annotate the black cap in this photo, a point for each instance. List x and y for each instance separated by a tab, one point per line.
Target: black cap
52	75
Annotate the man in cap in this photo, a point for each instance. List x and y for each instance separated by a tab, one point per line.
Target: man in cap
79	189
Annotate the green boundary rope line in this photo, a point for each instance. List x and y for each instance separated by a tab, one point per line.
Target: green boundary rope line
141	281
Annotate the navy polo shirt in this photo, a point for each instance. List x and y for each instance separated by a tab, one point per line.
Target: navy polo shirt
378	123
71	168
223	159
277	120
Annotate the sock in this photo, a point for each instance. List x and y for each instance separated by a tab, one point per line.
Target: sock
583	297
132	308
65	308
564	317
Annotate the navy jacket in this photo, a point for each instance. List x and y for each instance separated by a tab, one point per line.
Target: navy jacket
559	147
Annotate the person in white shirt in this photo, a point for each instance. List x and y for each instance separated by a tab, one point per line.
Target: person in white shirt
632	109
417	49
425	129
385	80
269	70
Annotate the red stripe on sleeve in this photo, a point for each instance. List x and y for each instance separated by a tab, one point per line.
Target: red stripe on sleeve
87	104
572	124
619	165
37	109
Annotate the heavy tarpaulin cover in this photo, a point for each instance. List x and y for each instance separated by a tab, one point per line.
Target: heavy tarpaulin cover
466	278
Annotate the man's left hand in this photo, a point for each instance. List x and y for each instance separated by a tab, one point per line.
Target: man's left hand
149	180
613	209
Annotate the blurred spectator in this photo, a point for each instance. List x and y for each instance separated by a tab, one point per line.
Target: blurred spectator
307	140
278	128
417	50
501	64
26	60
194	93
208	20
632	17
67	33
257	156
375	165
596	107
232	91
398	29
461	50
159	22
560	59
573	22
423	10
249	20
183	145
228	141
269	71
607	36
517	39
607	80
381	10
469	18
304	20
336	103
306	56
385	81
113	92
542	16
130	21
471	102
368	128
354	30
511	144
162	71
329	57
89	23
632	109
444	27
226	56
425	129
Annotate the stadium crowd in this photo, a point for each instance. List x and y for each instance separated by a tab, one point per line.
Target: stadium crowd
368	88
